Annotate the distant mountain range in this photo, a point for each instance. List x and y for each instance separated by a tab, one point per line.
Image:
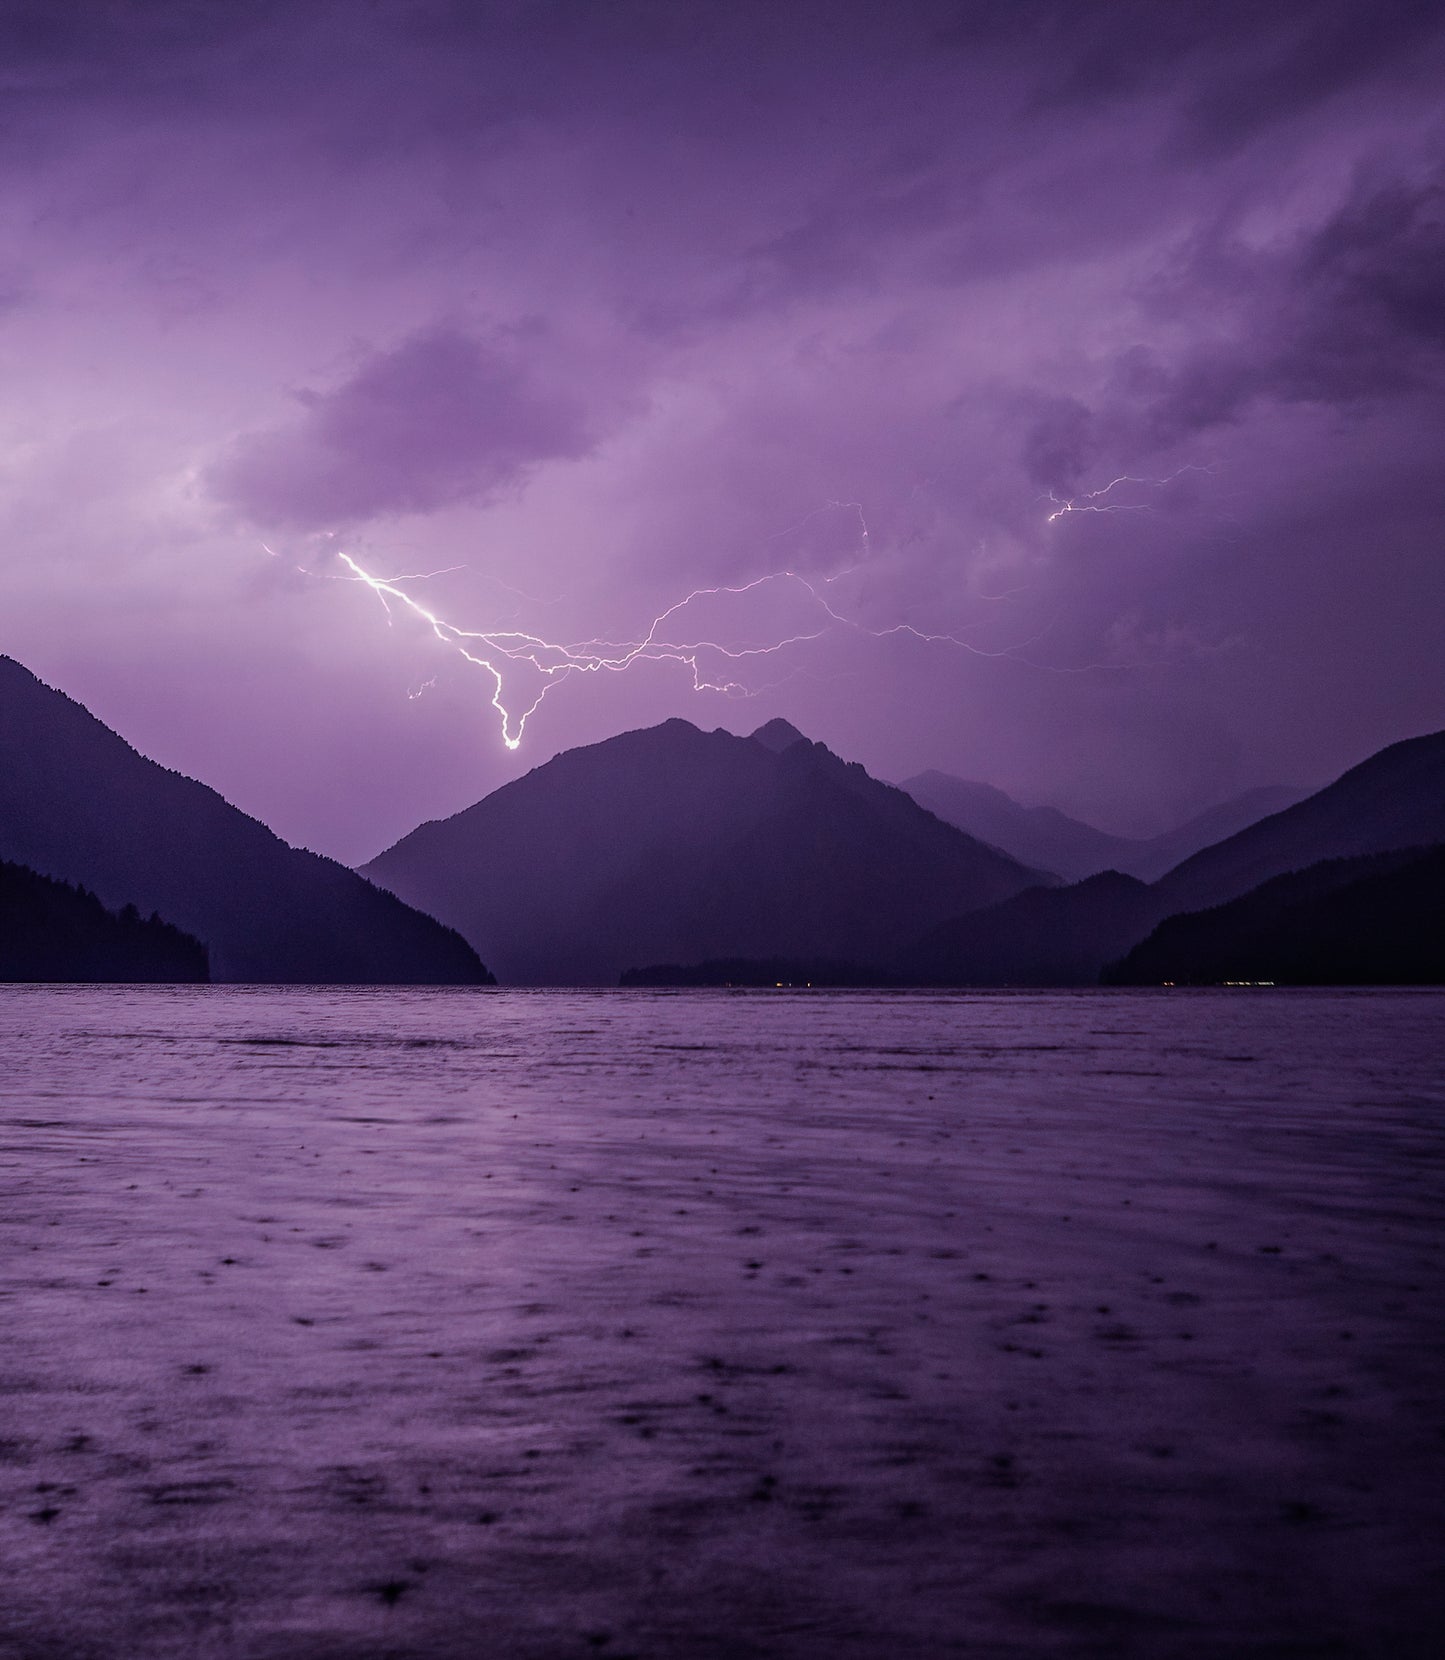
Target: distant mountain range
715	859
1051	840
53	931
673	845
1395	799
722	860
1069	935
78	804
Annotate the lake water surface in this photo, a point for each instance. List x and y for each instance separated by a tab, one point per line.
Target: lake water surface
470	1324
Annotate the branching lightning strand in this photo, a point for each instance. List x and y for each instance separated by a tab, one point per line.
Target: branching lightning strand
492	649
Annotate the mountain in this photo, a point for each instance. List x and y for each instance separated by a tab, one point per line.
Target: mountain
1374	920
673	845
1040	836
778	735
51	931
1394	800
79	804
1051	840
1159	854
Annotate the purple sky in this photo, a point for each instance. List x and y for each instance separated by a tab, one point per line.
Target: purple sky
605	302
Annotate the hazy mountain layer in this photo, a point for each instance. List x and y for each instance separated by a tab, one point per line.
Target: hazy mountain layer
1394	800
78	803
1051	840
672	845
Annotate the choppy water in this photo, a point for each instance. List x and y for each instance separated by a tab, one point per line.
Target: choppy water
367	1323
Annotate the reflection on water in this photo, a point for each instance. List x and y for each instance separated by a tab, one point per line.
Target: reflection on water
364	1323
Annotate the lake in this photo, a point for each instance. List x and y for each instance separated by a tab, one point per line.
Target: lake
363	1323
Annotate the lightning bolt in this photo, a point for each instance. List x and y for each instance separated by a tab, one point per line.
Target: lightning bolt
668	639
492	649
1092	501
664	639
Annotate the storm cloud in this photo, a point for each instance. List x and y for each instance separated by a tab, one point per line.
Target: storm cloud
436	420
1090	355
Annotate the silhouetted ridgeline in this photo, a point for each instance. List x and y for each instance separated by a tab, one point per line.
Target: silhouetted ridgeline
716	859
1051	840
672	845
79	804
1066	935
1376	920
774	971
52	931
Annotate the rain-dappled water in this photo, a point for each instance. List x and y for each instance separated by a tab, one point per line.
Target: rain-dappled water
471	1324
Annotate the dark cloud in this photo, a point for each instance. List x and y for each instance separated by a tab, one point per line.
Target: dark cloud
1228	67
139	51
1316	51
1372	283
1347	313
442	418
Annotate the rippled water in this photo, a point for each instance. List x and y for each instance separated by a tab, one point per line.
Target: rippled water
467	1324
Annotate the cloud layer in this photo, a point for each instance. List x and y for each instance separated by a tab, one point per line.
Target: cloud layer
603	304
438	419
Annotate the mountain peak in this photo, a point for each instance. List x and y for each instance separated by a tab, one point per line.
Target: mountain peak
644	849
778	735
